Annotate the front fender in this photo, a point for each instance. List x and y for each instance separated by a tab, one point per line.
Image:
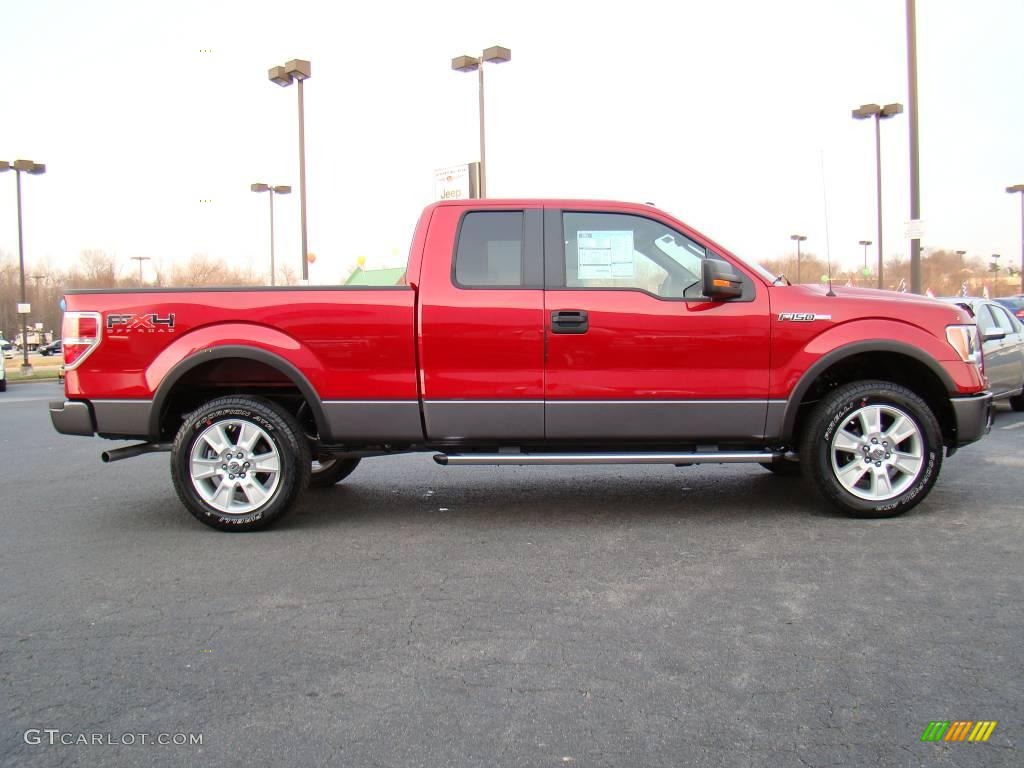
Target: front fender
796	370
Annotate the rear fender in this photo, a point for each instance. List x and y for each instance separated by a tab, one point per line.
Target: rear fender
245	341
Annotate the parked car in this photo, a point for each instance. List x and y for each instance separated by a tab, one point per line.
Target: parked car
1013	303
529	332
7	348
53	348
1002	343
3	373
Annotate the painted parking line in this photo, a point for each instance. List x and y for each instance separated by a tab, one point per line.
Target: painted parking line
1018	425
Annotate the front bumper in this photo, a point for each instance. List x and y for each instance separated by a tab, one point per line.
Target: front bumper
71	418
973	417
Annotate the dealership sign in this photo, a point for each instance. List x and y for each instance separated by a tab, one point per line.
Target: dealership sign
456	182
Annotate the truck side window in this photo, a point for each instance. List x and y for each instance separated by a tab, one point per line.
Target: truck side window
490	250
613	250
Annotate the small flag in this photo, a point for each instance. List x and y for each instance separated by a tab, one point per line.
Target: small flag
930	293
984	292
902	287
963	288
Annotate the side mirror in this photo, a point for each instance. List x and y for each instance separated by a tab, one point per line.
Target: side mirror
720	280
993	334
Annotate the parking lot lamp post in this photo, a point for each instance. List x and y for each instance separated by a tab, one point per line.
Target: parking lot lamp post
799	239
495	54
865	243
863	112
140	259
1020	188
280	189
297	70
23	166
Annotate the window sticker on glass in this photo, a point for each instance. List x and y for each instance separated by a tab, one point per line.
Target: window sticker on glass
604	254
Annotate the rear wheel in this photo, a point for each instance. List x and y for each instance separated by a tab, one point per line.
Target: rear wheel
1017	403
873	449
239	463
328	470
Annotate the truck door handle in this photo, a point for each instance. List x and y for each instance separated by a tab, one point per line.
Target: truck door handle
569	321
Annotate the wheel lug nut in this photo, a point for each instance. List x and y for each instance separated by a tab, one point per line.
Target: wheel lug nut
223	466
246	465
888	455
231	477
239	455
878	463
874	439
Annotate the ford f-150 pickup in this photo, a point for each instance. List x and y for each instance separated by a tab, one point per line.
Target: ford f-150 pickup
529	332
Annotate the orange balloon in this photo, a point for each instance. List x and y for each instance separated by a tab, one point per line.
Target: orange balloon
310	257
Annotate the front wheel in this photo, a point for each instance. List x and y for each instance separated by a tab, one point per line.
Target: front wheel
239	463
873	449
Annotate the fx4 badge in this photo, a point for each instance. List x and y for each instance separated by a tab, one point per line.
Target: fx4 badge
151	323
802	317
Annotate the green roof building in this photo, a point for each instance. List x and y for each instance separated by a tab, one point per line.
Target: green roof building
376	277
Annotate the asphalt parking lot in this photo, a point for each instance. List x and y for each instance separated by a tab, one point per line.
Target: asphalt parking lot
420	616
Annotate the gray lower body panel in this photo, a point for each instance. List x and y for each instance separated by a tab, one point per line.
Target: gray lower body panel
973	417
484	419
740	420
374	420
122	417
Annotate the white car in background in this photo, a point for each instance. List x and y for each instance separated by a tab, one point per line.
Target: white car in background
3	373
7	347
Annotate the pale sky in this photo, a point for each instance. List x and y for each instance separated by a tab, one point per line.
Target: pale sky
718	112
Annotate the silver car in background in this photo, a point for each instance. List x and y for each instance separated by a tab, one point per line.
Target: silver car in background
1002	338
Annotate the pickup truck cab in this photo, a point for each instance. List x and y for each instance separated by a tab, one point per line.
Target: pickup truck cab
529	332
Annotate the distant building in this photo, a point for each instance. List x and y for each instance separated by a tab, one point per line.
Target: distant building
376	277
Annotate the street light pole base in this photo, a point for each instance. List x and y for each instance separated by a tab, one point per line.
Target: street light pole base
26	369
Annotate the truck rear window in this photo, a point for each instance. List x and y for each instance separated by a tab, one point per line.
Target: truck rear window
490	250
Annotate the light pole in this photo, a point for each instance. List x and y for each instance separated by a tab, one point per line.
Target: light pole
865	243
497	55
280	189
799	239
863	112
23	166
140	259
915	152
297	70
1020	188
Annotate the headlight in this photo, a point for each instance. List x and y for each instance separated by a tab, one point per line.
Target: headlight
964	339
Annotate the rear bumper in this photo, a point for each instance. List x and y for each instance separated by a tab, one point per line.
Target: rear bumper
70	417
973	417
126	419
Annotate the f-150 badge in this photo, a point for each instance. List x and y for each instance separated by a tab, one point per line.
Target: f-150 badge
151	323
802	317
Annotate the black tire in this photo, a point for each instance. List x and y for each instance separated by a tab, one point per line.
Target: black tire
278	435
839	410
328	471
1017	403
3	385
784	468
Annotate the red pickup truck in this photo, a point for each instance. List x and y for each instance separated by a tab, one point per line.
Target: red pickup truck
529	332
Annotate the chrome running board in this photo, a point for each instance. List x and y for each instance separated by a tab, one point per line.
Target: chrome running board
530	459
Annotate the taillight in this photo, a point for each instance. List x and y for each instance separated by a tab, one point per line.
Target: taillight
81	332
1020	314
